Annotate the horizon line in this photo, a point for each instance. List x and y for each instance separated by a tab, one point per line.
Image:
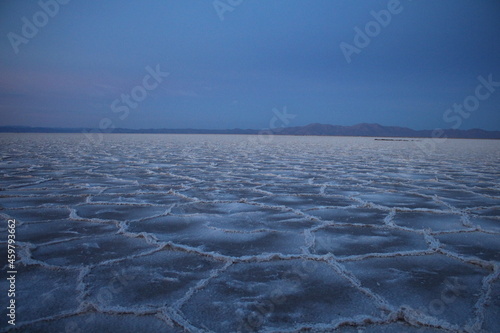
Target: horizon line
110	130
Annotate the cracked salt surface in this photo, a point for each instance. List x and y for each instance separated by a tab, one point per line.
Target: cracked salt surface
197	233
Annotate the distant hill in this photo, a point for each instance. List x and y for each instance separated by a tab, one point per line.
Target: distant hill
376	130
370	130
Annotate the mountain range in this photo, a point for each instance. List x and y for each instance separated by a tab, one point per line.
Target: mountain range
364	129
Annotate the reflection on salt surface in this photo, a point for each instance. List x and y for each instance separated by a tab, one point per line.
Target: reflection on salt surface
222	233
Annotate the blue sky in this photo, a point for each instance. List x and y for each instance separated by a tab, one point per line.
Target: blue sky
231	73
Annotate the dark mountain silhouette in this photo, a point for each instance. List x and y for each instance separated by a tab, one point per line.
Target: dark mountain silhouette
370	130
376	130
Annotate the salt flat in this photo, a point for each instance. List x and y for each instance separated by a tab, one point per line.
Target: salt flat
207	233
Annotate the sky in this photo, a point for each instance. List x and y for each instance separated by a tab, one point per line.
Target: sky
239	63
